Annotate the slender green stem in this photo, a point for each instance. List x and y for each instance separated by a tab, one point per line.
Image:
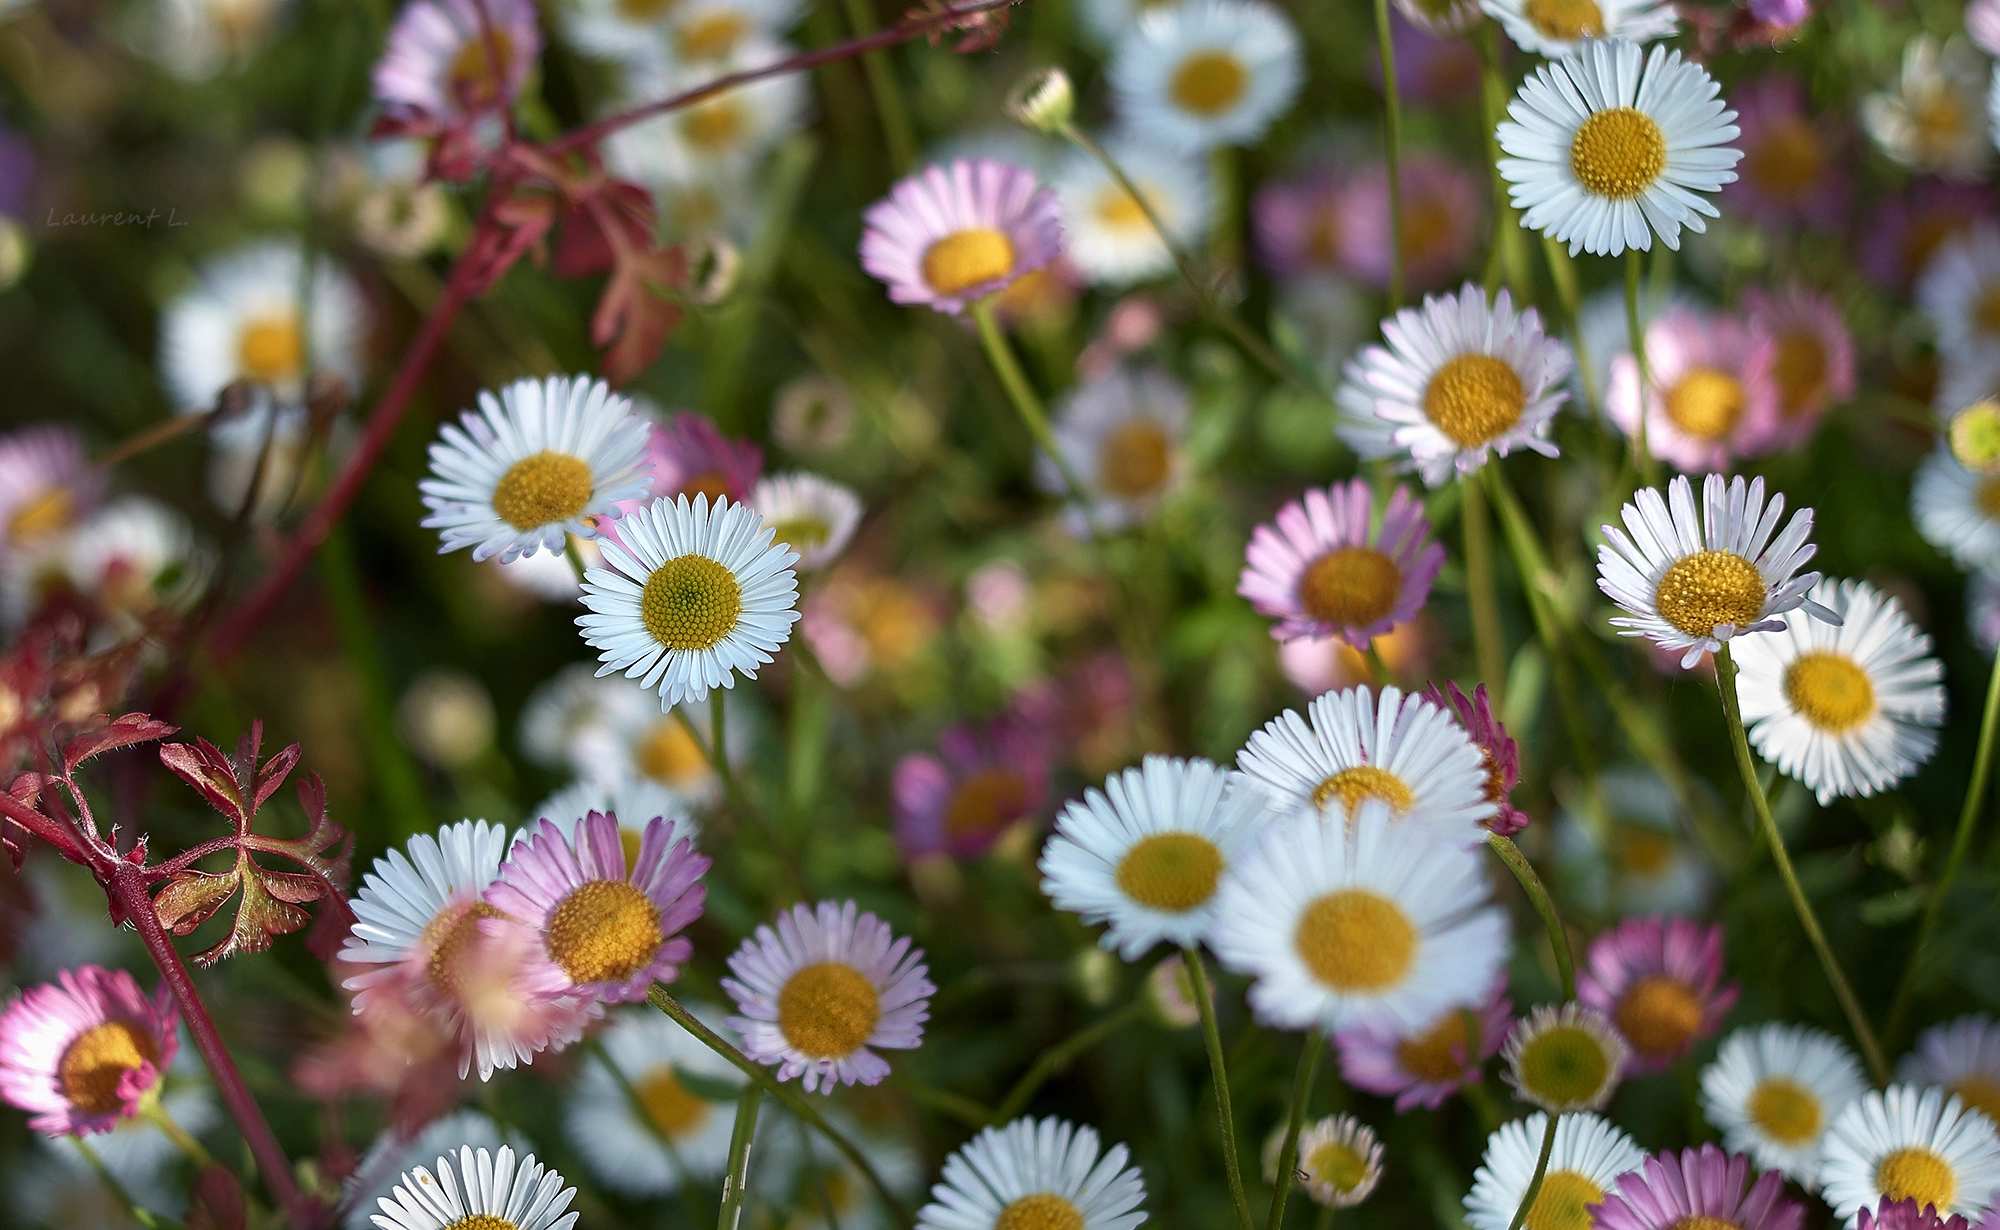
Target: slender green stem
157	1115
719	736
1022	394
1538	896
1325	1219
1642	457
1961	845
575	557
1486	635
1392	131
736	1180
896	130
1541	1171
1857	1020
1506	257
1288	1152
1224	1114
1061	1055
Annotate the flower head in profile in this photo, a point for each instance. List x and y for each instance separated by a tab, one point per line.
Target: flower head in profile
1423	1066
1656	979
1195	75
1321	567
83	1053
1034	1173
487	1191
1565	1059
1496	747
1339	1160
1907	1143
1774	1089
1701	1186
814	516
1934	118
449	62
951	235
1711	398
1587	1159
981	782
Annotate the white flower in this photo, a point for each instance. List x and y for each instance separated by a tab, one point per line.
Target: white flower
1146	853
635	801
242	320
1935	117
1458	379
814	516
1589	1156
1848	710
392	1153
1642	863
488	1191
1106	234
1963	1058
1907	1143
640	33
1774	1089
1029	1173
1691	584
1957	511
690	598
544	459
1106	21
1205	73
1339	1160
136	555
1122	436
1959	292
196	39
712	139
1604	152
644	1132
1555	28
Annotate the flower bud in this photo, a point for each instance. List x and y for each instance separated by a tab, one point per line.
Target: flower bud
1043	101
1975	436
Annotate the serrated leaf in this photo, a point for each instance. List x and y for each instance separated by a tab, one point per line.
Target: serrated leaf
192	897
124	731
202	765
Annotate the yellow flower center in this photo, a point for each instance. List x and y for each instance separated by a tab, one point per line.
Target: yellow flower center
713	36
1564	1202
1120	210
1172	872
646	10
1617	154
451	937
603	931
1338	1165
968	258
1133	459
474	78
1700	1221
97	1060
691	602
802	533
1427	222
670	1108
1981	1092
1364	781
1799	370
1041	1211
669	755
270	348
482	1221
1709	588
1705	403
1474	398
828	1010
1658	1015
1988	496
1564	1065
1208	83
1640	850
1916	1173
1787	159
1356	942
1430	1055
1830	691
713	127
1567	20
543	489
985	800
1786	1111
1939	121
1351	587
44	514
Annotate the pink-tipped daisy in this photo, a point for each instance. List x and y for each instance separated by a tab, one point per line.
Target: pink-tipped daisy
1298	224
949	236
1319	570
1443	212
605	930
822	989
1656	978
1906	1215
1502	756
1962	1057
692	457
1812	360
439	65
982	781
1425	1065
1698	1187
1712	398
84	1052
47	483
1791	170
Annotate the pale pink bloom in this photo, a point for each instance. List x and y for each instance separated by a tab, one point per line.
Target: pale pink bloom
1656	979
1423	1067
949	236
81	1054
1812	361
438	69
47	483
1444	210
983	780
1702	1186
1320	569
1792	170
1712	397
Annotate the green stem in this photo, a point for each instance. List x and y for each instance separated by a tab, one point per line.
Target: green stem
736	1181
1061	1055
1225	1115
1022	394
1507	254
1288	1152
896	130
1857	1020
140	1214
1392	131
1642	457
1541	1171
157	1115
1538	896
1961	845
574	555
1486	635
1325	1219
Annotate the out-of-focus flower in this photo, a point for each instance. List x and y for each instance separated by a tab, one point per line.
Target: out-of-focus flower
1712	397
1425	1064
1957	511
1496	747
1909	1143
1589	1157
400	214
1908	1215
1320	569
134	557
1441	18
1773	1090
1339	1160
814	516
1106	21
1204	73
1812	359
1044	100
812	414
1105	231
634	802
982	781
1700	1182
1959	293
446	717
1122	436
47	483
1640	863
1436	69
395	1151
1934	119
1791	170
1556	28
1443	205
1898	242
1328	663
196	39
1171	992
861	626
547	575
242	320
1656	979
717	141
642	1132
1000	596
488	1190
1036	1173
1299	224
692	457
83	1052
950	236
449	63
1565	1059
1962	1057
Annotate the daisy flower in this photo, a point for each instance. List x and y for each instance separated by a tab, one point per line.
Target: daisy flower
1298	224
641	1130
982	781
718	29
1318	569
242	320
1957	511
707	148
135	556
1146	853
1036	1173
1496	747
1963	1058
1106	233
487	1192
86	1051
1205	73
394	1152
1692	585
1441	19
1641	863
1812	360
823	988
1791	170
1443	216
1772	1091
1702	1186
802	1171
1605	152
1848	710
1656	979
949	236
1458	381
1907	1143
691	456
1123	435
1423	1066
1345	924
1908	228
1106	21
814	516
1403	751
438	69
1906	1215
690	597
47	483
1712	397
1959	293
632	801
607	929
1556	28
1565	1059
1934	118
1589	1157
1339	1160
573	710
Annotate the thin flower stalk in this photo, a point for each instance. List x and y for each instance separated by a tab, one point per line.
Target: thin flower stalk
1061	1055
1288	1152
1224	1113
1477	527
1642	457
736	1180
1392	131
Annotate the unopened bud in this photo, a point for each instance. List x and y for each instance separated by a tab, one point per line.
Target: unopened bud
1044	101
1975	436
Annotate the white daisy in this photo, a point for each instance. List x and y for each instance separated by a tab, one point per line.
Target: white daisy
1963	1058
135	556
690	597
639	32
545	575
1849	709
1146	853
1959	293
392	1153
1122	435
712	139
1982	610
1692	584
1442	18
1205	73
1036	1173
1589	1156
1564	1059
1350	747
544	459
1934	118
609	731
1105	21
1368	921
1642	863
487	1192
644	1131
719	29
1605	152
242	320
1773	1090
1957	511
1339	1160
635	801
1458	379
1556	28
1106	235
196	39
575	706
814	516
1909	1143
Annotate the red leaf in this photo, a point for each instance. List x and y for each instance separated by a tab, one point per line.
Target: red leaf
192	898
202	765
520	223
273	775
635	316
585	248
125	731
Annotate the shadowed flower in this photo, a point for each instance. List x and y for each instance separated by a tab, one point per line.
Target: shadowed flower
1339	1160
1426	1065
1656	980
1589	1155
1934	119
47	483
1503	758
1319	570
84	1052
1565	1059
439	69
949	236
1907	1215
692	457
1791	170
1712	398
1962	1057
1444	207
1298	224
1812	361
981	782
1897	243
1699	1187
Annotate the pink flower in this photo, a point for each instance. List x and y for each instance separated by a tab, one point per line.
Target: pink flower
1982	22
1905	1215
949	236
83	1052
983	780
1701	1186
1496	747
1812	361
1712	397
1656	979
1791	170
1423	1067
1319	571
1444	207
46	482
1906	231
691	457
1297	225
438	71
1429	69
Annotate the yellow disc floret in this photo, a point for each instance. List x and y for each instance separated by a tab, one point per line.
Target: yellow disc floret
1133	460
1208	83
1786	1111
1567	20
1564	1202
1916	1173
690	603
603	931
543	489
94	1064
1171	872
828	1010
1617	154
1351	587
1658	1015
1830	690
965	259
1706	403
1352	787
1474	398
1709	588
1356	942
1041	1211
